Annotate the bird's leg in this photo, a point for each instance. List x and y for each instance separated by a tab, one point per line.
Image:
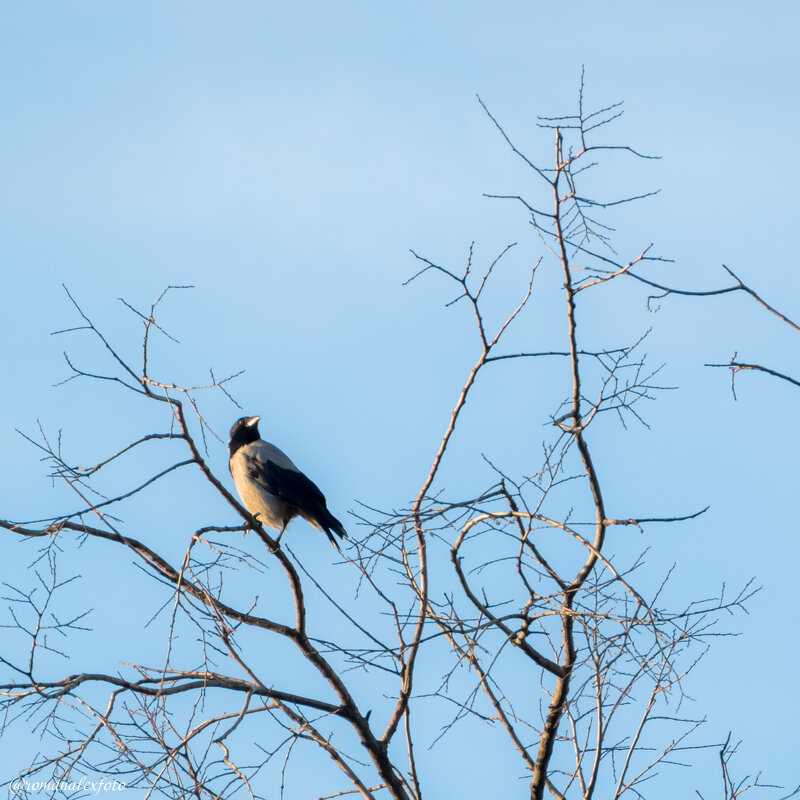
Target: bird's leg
283	530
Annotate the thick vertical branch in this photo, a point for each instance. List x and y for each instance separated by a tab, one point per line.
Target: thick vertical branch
560	695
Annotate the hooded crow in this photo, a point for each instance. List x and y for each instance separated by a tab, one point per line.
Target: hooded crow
272	488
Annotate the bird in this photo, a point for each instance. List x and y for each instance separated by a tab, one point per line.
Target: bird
271	487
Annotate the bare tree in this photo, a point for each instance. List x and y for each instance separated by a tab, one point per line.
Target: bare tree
502	610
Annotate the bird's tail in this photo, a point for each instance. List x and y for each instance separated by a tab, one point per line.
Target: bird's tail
326	522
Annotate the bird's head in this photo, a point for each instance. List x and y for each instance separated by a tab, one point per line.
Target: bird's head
244	431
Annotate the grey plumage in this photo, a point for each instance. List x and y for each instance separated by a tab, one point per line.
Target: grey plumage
272	488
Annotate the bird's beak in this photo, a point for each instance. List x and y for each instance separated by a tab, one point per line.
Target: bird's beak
253	421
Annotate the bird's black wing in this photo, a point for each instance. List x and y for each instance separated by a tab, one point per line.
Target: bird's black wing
297	491
290	485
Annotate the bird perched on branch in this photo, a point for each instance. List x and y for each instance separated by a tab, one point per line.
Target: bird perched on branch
272	488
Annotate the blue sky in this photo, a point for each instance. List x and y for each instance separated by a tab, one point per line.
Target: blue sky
284	158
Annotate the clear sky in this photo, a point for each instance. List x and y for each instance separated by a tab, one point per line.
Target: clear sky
284	158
